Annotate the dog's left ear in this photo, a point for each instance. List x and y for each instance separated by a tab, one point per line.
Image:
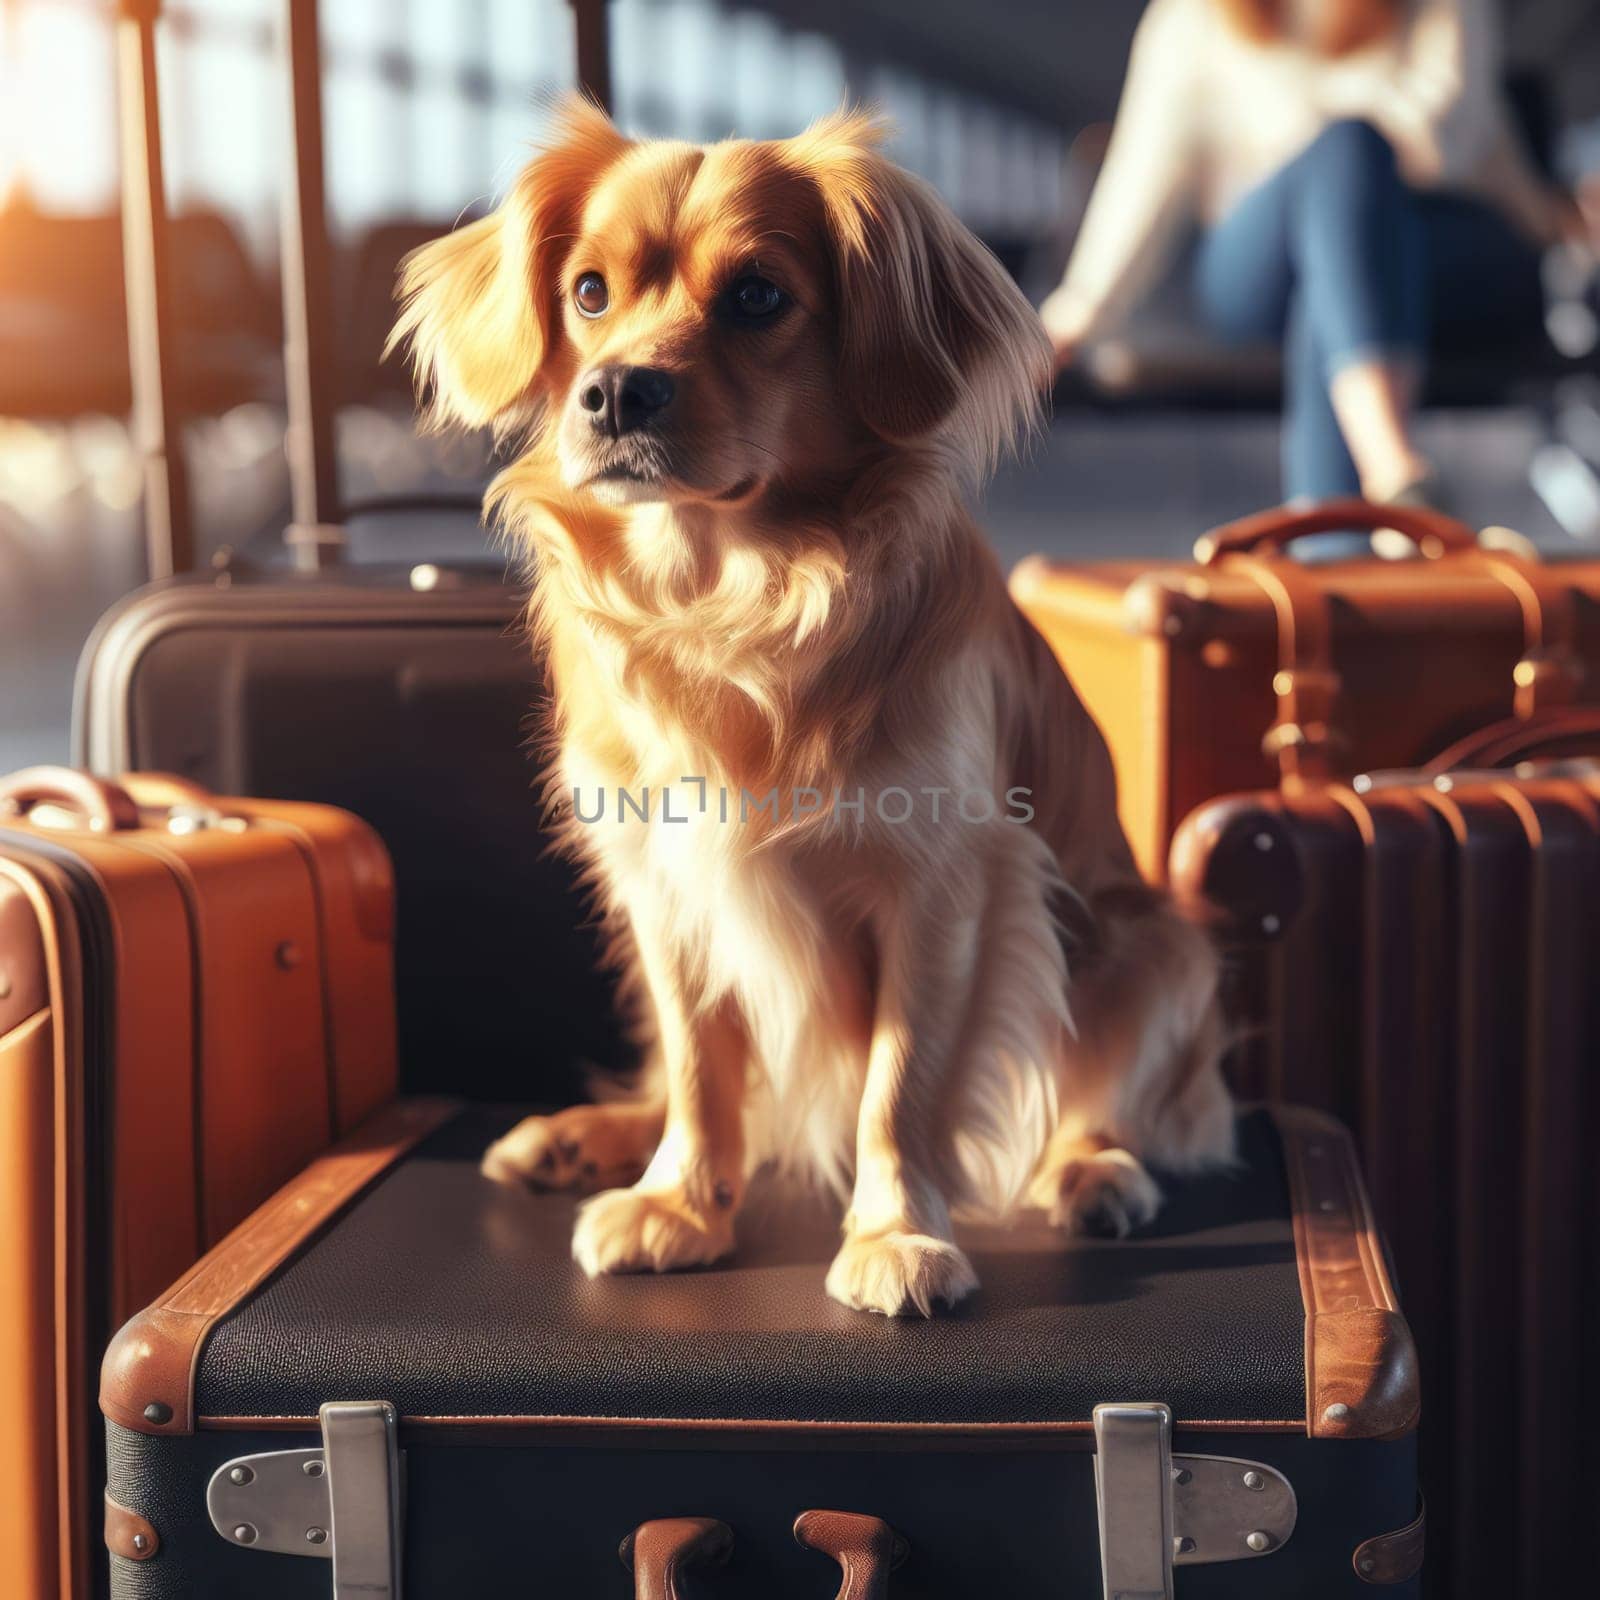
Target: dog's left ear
480	306
934	336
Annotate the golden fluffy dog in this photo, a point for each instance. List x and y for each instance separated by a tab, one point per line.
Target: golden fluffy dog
854	832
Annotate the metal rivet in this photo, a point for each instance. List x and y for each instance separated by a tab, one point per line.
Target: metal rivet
241	1475
1181	1474
1183	1545
287	955
316	1535
244	1533
312	1469
1337	1412
1258	1541
1264	841
141	1542
1254	1480
1367	1564
1270	923
1326	1205
158	1412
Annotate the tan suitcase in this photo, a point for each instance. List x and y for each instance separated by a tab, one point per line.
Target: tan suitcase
1217	676
196	997
1420	953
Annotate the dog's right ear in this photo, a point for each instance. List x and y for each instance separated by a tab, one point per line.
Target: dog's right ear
480	307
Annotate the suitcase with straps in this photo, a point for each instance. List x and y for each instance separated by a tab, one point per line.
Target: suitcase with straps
393	1381
1185	668
196	996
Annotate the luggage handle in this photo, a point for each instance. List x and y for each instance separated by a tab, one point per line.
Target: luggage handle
1505	743
866	1548
657	1552
1303	736
1432	532
105	807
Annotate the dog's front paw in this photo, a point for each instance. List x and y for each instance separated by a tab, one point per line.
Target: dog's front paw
583	1147
900	1274
631	1230
1106	1193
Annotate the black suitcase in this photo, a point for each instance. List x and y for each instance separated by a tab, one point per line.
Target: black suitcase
402	689
394	1381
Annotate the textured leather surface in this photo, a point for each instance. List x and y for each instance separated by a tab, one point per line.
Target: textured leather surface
452	1296
503	1522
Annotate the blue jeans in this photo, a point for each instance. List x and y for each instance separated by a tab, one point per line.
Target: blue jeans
1338	259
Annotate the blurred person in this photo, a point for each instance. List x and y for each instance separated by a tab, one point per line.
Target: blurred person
1361	195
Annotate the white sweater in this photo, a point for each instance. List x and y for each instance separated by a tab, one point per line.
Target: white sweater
1207	114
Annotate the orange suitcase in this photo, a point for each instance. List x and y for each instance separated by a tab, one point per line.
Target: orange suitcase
196	997
1185	667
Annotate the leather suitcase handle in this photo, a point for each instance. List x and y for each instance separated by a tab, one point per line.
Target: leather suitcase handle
1432	531
1505	743
1303	735
166	789
866	1548
658	1553
105	807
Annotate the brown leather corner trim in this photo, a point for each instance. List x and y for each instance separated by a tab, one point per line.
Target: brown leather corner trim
128	1534
147	1378
1393	1557
1361	1363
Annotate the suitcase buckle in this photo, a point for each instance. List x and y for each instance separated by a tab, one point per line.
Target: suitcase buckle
1157	1510
340	1503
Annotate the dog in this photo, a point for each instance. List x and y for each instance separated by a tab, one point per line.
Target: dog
749	387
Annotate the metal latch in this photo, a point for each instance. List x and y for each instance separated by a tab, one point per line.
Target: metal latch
341	1503
1158	1510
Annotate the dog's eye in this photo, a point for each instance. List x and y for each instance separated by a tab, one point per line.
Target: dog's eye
752	299
589	294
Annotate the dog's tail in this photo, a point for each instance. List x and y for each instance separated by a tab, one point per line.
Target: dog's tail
1150	1039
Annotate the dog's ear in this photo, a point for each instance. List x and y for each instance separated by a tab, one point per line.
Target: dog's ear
934	336
480	307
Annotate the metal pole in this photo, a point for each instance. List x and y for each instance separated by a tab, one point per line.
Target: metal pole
152	364
315	534
592	25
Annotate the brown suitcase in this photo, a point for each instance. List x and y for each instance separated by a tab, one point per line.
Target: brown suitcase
1418	952
1185	666
196	997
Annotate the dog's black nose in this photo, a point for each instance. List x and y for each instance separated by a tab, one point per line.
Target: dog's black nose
620	399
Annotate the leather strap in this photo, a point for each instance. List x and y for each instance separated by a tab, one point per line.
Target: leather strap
1302	737
128	1534
104	806
866	1548
1307	687
658	1553
1547	673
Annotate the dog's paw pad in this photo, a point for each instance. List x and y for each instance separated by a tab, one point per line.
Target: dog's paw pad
531	1153
1108	1194
900	1274
584	1147
630	1231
